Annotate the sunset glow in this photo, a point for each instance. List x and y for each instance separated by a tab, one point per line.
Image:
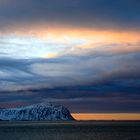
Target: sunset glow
106	116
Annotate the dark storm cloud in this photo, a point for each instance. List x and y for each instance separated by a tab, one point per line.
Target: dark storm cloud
87	13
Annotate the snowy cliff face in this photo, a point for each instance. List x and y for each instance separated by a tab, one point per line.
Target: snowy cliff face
42	111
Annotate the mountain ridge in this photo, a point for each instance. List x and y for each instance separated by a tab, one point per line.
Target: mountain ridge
36	112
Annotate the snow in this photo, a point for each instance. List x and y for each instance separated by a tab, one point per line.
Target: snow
42	111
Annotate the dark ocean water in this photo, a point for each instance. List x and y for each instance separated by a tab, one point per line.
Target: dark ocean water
89	130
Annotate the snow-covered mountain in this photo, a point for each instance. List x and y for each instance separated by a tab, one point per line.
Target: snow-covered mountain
36	112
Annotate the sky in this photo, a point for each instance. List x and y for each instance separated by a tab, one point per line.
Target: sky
83	54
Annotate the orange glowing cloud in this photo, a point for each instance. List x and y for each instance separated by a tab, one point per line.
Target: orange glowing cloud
90	35
60	32
83	38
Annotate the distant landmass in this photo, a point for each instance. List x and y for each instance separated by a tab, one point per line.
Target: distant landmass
36	112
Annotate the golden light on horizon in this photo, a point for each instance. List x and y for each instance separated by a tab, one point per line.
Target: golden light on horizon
106	116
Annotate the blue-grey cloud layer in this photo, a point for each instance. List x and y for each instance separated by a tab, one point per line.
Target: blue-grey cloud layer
110	14
88	83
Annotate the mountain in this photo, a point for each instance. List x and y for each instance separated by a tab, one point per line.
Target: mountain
36	112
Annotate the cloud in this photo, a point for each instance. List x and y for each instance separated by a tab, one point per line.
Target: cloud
94	78
87	71
30	47
109	14
92	66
